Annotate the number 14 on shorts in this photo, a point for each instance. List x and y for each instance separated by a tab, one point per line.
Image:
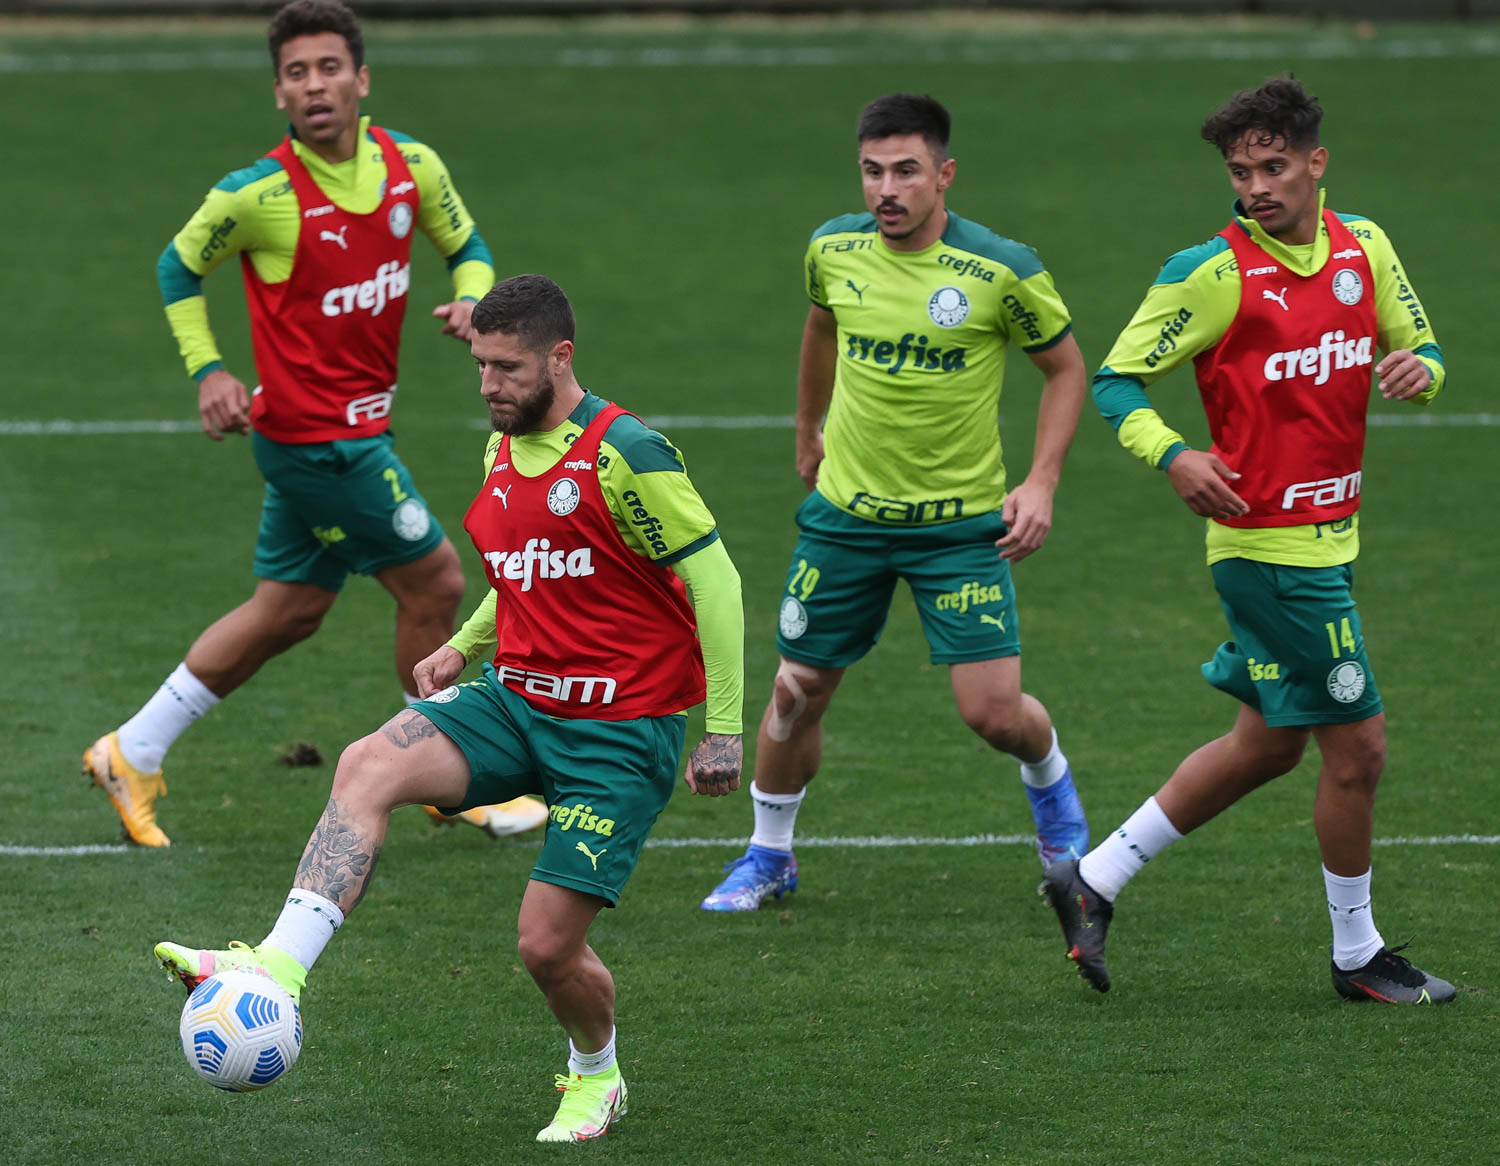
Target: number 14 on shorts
1341	640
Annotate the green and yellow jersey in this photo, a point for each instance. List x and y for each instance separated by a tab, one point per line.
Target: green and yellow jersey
255	211
1187	311
661	517
912	433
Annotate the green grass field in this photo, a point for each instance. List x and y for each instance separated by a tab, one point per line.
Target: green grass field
908	1002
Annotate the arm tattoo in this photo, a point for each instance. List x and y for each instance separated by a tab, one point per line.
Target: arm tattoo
338	861
405	729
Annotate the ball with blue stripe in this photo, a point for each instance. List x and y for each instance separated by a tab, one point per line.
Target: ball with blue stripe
240	1030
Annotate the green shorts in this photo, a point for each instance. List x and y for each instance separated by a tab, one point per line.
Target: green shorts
1298	655
336	507
843	575
604	782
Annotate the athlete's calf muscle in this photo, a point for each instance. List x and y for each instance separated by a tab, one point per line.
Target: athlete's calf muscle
340	858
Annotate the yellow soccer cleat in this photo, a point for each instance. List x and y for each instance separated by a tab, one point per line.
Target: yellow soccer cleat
191	965
588	1108
132	793
501	821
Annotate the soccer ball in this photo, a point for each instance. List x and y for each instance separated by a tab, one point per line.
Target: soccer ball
240	1030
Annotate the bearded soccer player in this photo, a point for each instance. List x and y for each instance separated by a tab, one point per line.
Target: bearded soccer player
1280	313
913	309
607	574
323	228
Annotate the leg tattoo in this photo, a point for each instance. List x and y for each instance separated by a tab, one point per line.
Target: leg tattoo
339	860
406	728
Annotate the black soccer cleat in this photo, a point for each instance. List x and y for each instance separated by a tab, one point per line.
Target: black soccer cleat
1392	979
1084	915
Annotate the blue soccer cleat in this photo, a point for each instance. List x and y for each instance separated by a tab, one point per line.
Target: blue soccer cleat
1062	831
753	876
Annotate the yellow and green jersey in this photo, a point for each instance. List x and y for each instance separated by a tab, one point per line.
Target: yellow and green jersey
912	434
661	517
1188	309
254	211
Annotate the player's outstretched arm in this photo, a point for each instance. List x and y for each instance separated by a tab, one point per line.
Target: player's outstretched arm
815	371
714	767
223	404
1028	508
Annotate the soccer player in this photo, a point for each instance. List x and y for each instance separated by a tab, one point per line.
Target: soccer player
1280	313
913	309
588	528
323	228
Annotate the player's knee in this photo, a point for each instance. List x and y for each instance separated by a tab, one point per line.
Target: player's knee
545	953
447	590
364	775
291	625
799	696
1356	770
998	721
1282	757
439	591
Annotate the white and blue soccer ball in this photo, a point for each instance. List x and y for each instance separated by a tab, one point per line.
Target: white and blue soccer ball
240	1030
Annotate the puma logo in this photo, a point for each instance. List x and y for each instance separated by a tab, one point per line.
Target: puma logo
592	857
997	620
336	237
1279	297
500	494
859	291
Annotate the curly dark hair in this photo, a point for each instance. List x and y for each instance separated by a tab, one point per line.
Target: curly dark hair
1280	110
529	306
308	17
907	113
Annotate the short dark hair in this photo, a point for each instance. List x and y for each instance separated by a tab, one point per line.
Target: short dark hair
308	17
907	113
1280	110
529	306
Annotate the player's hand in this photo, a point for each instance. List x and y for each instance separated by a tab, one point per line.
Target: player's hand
456	319
1202	481
809	458
437	671
223	404
1028	513
714	768
1402	375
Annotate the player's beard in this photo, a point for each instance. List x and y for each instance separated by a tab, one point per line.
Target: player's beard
529	412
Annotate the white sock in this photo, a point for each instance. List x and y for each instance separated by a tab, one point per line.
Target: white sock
181	700
1047	771
1355	937
1120	857
590	1063
306	924
775	818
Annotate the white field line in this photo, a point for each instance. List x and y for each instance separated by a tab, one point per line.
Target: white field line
872	842
667	423
64	428
850	842
726	52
